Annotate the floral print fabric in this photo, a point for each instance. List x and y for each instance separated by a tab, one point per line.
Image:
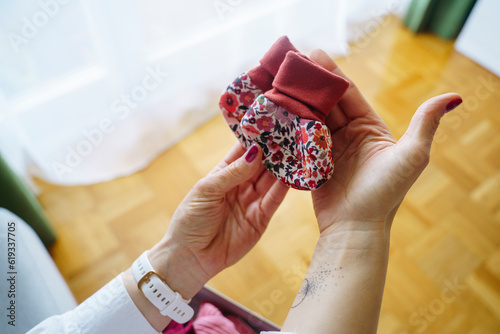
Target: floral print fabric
235	101
296	151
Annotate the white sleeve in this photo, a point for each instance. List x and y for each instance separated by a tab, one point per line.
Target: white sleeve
109	310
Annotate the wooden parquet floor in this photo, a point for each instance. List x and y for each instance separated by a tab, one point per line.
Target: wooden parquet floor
444	270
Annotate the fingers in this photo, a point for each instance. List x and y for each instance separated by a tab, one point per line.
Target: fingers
323	59
425	121
264	181
273	198
237	172
352	103
337	119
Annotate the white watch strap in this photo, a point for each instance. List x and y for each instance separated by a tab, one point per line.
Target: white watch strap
169	303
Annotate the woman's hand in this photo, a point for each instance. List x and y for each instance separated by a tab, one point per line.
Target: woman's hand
218	222
343	288
373	171
224	215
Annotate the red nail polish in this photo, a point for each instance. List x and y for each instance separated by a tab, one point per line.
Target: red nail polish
453	104
251	153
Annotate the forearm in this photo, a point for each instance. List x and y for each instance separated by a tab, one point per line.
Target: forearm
342	291
176	267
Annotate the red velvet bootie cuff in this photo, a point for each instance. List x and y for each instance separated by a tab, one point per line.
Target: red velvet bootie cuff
263	74
306	89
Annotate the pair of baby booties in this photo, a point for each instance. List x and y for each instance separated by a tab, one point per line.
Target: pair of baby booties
282	105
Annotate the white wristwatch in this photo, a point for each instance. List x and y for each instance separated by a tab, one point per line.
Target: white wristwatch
155	289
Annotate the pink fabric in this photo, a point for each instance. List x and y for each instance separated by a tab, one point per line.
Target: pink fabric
240	325
176	328
263	75
306	89
210	320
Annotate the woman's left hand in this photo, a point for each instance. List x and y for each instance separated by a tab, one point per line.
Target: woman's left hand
219	221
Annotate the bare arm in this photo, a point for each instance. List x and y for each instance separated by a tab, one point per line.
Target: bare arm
343	288
342	291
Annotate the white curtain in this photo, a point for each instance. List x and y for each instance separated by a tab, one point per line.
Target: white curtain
94	90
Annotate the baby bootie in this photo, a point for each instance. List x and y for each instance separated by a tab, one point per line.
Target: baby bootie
288	122
240	94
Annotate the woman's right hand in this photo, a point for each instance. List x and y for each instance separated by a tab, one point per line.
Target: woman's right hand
373	171
343	288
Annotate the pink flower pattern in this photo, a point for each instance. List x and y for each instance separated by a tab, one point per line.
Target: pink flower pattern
264	123
300	164
287	141
246	98
244	89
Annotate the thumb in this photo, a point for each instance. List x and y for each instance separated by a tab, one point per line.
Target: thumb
425	121
238	171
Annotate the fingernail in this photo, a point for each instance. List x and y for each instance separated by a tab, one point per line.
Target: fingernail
252	153
453	104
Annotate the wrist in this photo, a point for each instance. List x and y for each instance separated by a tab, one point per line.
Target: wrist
178	268
175	268
354	237
346	278
343	228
